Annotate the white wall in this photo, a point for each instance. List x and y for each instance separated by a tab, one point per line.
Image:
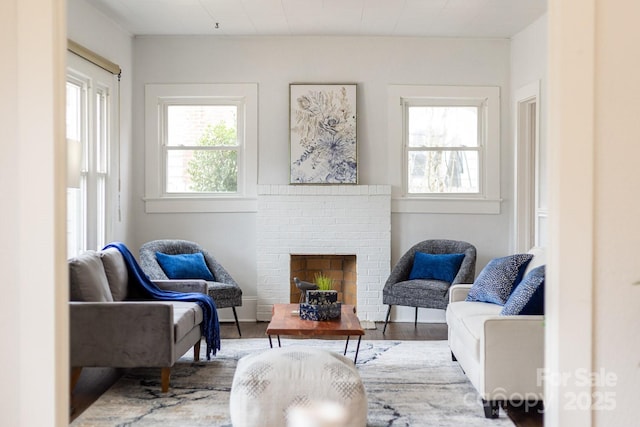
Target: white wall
274	62
34	317
529	63
93	30
592	302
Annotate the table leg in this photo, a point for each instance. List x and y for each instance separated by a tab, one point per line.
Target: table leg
355	358
270	342
279	345
346	345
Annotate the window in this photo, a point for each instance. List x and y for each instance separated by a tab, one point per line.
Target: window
89	119
446	143
201	147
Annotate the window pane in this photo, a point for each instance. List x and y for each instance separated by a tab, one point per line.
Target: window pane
213	171
74	111
190	124
443	172
101	131
443	126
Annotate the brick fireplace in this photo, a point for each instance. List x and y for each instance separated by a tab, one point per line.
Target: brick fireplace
342	220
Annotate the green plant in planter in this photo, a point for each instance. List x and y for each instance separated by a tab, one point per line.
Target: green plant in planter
325	283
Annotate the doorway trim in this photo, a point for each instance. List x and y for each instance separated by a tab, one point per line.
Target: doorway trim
526	113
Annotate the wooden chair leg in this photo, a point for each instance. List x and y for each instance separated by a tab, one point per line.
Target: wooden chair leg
196	351
166	376
75	376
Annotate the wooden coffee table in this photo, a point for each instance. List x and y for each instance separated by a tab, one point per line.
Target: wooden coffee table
285	320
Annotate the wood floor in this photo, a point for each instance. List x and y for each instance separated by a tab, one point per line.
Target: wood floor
95	381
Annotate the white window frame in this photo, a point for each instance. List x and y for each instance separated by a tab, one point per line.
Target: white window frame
488	200
98	185
157	97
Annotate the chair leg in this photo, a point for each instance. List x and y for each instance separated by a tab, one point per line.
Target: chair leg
415	320
386	320
235	315
166	376
75	376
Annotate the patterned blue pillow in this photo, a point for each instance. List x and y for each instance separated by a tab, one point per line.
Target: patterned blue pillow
435	266
528	296
496	280
184	266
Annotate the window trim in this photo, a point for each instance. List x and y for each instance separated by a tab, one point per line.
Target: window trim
99	204
488	201
156	199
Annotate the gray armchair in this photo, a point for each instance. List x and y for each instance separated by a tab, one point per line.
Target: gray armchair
224	290
399	290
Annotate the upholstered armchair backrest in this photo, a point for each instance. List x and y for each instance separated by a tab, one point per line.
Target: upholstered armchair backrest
152	268
467	271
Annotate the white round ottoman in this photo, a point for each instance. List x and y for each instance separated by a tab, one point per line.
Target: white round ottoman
275	387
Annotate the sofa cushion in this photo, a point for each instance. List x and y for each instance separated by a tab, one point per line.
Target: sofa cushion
417	293
87	279
467	319
435	266
184	266
539	258
528	296
495	282
117	274
186	315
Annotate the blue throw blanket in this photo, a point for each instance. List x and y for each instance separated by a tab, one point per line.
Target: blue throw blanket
210	324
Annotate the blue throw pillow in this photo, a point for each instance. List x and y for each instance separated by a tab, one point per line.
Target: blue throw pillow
528	296
184	266
435	266
495	282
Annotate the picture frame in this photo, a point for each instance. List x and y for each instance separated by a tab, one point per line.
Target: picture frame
323	133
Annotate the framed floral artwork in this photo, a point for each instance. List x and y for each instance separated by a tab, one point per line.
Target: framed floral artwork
323	134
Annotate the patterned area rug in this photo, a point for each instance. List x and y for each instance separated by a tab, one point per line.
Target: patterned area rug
408	383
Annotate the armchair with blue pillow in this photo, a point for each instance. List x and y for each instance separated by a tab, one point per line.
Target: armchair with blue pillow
174	259
423	276
496	329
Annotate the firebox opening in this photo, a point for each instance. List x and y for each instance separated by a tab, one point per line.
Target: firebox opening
341	268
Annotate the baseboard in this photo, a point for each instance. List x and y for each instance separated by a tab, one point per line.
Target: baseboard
246	312
425	315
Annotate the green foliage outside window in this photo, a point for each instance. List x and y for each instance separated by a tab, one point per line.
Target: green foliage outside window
215	171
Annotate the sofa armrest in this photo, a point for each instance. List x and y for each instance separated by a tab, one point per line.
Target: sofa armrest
459	292
121	334
191	285
512	355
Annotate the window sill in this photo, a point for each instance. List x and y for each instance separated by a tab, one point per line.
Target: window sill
448	206
200	205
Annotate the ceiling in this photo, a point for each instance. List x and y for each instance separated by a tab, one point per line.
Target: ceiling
423	18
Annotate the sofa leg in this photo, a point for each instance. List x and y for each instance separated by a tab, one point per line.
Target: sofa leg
196	351
415	320
235	315
491	408
166	376
386	320
453	357
75	376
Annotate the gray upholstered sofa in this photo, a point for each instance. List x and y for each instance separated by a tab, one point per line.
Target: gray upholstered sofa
111	326
501	355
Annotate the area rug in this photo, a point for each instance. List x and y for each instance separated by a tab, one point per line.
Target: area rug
408	383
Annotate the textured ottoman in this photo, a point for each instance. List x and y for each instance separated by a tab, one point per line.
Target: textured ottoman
270	386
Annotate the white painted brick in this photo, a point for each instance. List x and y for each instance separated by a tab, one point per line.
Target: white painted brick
342	219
